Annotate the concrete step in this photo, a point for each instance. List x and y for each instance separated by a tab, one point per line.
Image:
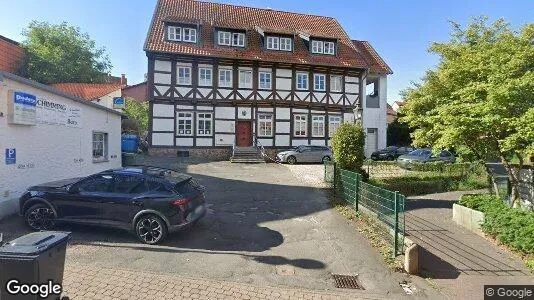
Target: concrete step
247	160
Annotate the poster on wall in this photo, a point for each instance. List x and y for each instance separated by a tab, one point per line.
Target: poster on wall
53	113
22	108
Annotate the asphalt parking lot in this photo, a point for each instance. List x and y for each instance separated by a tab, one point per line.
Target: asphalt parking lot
264	226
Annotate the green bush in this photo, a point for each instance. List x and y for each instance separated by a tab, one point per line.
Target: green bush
347	145
510	226
420	183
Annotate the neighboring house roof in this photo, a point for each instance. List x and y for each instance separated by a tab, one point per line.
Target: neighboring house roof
11	55
209	16
88	91
376	63
138	92
54	90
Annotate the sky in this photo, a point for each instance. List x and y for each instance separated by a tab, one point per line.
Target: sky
400	31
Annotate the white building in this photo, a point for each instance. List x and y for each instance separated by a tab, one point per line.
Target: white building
222	75
47	135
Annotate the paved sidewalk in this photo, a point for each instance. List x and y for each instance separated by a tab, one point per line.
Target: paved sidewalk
90	282
457	260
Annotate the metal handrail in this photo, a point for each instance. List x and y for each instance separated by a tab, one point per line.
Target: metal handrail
259	146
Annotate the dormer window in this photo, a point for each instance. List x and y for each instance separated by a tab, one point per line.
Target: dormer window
323	47
235	39
181	34
279	43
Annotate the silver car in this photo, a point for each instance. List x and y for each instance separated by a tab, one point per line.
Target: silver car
422	156
308	154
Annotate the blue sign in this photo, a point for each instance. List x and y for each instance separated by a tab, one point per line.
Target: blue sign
118	102
25	99
11	156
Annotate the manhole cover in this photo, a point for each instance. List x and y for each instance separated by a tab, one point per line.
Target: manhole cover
347	282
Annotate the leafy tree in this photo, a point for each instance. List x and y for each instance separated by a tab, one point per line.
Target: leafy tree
347	144
481	95
62	53
398	134
138	112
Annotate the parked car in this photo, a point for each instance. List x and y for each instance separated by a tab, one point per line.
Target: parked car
390	153
150	201
309	154
424	155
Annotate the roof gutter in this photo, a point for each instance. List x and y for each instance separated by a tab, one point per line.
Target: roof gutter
55	91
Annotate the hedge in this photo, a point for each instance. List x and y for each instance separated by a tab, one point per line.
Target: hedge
431	182
510	226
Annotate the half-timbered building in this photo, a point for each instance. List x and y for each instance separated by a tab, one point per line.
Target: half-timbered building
222	75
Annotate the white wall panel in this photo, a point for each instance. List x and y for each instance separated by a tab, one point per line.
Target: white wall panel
224	139
162	139
204	142
282	127
351	79
224	92
184	141
162	65
183	90
300	110
225	112
302	95
162	78
283	84
300	142
163	124
161	89
348	117
351	88
283	95
184	107
282	140
284	72
266	142
318	142
204	107
283	113
265	109
163	110
244	113
225	126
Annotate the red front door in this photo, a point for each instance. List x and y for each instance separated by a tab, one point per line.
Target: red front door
244	133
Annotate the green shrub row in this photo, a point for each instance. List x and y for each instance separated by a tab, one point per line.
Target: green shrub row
431	182
457	168
510	226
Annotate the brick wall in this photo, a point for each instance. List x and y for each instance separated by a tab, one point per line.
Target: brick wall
11	55
137	92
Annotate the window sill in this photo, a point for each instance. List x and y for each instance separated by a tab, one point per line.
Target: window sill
100	160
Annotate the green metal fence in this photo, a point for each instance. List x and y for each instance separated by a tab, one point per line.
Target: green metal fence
387	205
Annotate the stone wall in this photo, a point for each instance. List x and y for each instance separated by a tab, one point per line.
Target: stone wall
206	153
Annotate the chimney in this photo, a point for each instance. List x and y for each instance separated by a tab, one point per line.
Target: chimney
124	81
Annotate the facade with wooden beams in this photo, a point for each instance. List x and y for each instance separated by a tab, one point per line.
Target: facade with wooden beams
222	75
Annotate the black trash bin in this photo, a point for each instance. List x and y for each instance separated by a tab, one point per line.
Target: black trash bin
35	258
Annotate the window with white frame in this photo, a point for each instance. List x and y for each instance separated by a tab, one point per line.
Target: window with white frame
225	77
265	125
273	43
184	123
329	48
333	123
184	75
100	146
319	82
204	123
317	126
335	83
265	80
205	76
238	39
245	79
286	44
189	35
302	81
174	33
300	126
224	38
317	47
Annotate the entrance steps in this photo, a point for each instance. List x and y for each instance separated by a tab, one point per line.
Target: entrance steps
246	155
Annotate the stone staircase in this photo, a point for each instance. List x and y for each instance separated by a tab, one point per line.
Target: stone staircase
247	155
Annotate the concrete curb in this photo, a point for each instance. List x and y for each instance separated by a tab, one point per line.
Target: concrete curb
468	218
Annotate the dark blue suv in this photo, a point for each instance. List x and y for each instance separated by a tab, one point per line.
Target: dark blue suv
149	200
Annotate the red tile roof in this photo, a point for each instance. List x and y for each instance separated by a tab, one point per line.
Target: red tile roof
214	15
88	91
375	62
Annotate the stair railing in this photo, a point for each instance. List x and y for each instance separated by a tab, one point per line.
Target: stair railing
259	146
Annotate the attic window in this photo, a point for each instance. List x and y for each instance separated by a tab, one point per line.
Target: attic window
181	34
226	38
323	47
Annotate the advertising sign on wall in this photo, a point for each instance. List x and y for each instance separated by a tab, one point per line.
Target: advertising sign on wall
118	102
23	109
53	113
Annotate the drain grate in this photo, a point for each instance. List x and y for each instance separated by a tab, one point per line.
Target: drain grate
347	282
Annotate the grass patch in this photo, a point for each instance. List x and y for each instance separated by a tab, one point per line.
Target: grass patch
371	229
511	227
